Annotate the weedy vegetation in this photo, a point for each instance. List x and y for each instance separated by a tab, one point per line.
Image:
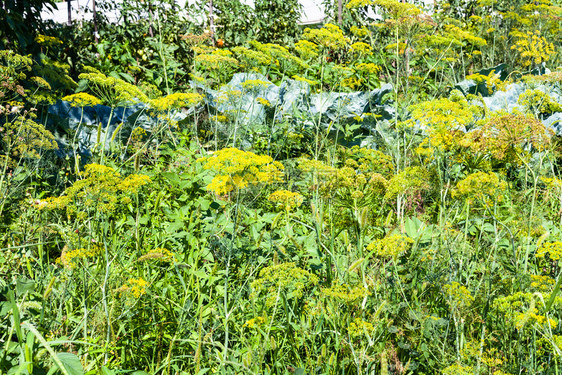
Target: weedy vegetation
365	196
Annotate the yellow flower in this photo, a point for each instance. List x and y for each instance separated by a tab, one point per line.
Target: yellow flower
553	249
46	40
82	99
458	296
358	327
236	169
255	322
176	101
346	293
282	278
254	84
70	258
136	287
391	246
481	187
361	48
286	200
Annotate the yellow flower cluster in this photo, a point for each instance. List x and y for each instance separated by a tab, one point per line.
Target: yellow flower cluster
360	32
492	80
112	91
100	188
175	101
391	246
70	258
505	137
306	49
407	182
256	322
46	40
254	84
250	58
27	139
368	68
532	48
542	283
41	82
279	55
236	169
536	101
532	317
444	120
286	200
361	48
81	100
219	118
458	296
458	369
395	8
465	36
329	36
346	293
135	287
553	249
358	327
216	60
284	278
520	310
302	79
369	160
158	255
482	187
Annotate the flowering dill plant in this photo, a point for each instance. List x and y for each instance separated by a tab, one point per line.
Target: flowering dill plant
346	293
552	249
538	103
509	137
255	84
175	101
286	278
458	296
110	90
481	188
133	287
250	58
358	328
236	169
522	310
82	99
100	188
306	49
391	246
532	48
445	120
286	200
23	138
70	258
216	60
256	322
47	41
330	36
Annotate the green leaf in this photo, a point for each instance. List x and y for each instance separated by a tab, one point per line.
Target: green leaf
71	363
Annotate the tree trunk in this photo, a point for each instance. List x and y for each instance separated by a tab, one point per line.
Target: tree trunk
211	22
95	21
340	12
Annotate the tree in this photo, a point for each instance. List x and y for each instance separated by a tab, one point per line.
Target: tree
277	20
21	21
